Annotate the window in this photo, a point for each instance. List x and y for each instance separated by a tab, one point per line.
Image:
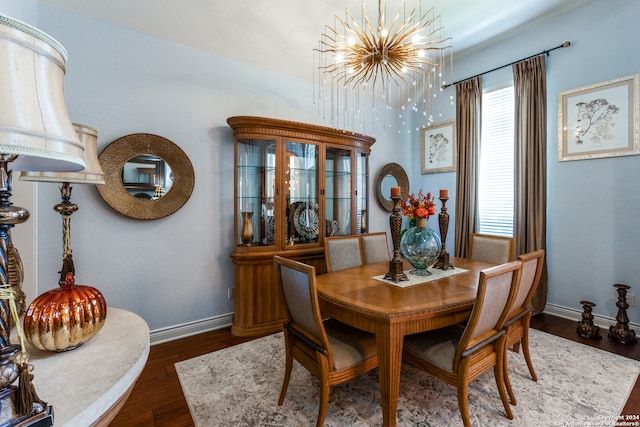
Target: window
496	175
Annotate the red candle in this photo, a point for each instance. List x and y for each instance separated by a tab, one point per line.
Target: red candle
444	194
395	191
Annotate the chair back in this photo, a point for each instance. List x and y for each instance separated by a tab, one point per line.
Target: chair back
497	288
298	289
489	248
342	252
375	247
531	272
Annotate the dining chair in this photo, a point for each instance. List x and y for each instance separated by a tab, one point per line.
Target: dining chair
519	316
459	354
330	350
490	248
375	247
342	252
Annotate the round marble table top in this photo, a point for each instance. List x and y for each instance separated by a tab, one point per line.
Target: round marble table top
85	383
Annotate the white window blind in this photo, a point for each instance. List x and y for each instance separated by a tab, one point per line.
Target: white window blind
496	181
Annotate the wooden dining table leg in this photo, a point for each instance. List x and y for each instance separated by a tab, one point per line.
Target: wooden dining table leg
389	341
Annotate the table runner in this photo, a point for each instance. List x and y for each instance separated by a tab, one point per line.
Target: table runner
436	274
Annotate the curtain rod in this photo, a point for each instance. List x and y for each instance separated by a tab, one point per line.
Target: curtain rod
546	52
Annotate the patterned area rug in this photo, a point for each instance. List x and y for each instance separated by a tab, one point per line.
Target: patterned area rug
240	385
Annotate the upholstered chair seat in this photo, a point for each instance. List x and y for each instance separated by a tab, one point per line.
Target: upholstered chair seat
350	346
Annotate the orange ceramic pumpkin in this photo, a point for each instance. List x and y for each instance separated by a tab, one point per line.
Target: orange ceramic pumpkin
66	317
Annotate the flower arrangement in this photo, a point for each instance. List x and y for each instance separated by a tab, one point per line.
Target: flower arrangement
422	206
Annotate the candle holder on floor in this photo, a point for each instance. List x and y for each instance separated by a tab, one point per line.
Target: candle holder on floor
395	222
586	327
443	218
621	330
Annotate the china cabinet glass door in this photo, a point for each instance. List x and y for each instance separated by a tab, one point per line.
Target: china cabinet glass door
338	191
255	193
362	178
301	183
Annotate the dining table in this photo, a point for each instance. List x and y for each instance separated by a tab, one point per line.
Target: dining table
362	298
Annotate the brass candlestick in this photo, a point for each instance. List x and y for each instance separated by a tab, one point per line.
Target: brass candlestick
395	221
586	327
443	218
621	330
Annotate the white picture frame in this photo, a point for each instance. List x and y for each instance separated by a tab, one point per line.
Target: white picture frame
438	148
599	120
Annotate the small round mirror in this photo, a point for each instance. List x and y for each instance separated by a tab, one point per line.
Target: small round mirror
391	175
146	176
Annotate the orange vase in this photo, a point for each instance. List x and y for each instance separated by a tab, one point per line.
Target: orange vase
66	317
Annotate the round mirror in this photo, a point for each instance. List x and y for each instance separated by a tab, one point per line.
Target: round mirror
391	175
146	176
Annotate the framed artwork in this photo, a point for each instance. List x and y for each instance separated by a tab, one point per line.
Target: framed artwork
438	148
600	120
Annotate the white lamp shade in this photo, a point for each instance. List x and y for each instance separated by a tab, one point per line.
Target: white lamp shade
34	122
91	174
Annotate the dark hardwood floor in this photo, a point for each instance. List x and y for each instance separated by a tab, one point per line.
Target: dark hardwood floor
157	398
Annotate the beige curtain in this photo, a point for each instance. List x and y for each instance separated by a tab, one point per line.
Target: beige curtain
468	102
531	163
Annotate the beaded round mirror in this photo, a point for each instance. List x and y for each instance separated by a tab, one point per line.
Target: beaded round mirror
146	176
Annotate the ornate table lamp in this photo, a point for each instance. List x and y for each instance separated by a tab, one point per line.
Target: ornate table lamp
35	135
44	326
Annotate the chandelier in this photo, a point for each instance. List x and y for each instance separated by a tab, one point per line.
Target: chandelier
399	65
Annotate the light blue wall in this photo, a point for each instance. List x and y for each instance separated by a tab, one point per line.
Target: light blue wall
23	10
593	237
176	270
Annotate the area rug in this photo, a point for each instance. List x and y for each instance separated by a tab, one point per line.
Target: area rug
240	385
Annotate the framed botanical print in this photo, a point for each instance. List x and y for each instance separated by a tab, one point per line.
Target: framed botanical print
438	148
600	120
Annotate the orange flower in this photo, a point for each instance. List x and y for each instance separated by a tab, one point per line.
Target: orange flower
419	207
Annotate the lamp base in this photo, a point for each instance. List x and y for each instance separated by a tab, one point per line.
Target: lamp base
8	417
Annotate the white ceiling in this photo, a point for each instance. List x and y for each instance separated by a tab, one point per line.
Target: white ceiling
274	34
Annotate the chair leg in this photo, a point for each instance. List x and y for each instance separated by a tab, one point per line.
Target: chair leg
287	369
324	390
463	399
498	371
507	381
525	351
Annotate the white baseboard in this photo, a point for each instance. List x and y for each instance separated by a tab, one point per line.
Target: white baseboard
171	333
573	314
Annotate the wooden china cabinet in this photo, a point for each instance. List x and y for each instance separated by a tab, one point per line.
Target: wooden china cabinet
295	184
